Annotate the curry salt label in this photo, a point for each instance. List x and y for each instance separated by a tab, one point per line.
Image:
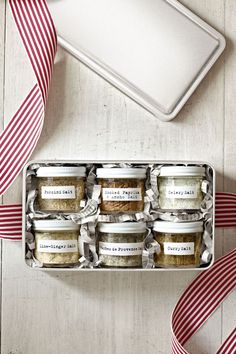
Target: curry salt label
180	243
178	249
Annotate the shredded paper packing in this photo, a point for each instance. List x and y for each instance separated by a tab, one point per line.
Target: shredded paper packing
90	215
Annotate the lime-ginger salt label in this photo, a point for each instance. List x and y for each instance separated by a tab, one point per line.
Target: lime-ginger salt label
57	246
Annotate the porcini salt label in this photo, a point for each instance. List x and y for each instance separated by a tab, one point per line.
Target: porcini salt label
58	192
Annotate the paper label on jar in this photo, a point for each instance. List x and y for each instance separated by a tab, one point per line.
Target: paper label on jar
181	192
58	192
122	194
179	248
57	246
120	249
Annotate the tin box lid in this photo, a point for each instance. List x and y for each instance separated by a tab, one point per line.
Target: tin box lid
184	171
61	171
54	225
117	172
120	228
155	51
178	228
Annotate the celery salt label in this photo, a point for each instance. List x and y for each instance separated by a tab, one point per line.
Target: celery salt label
181	192
180	187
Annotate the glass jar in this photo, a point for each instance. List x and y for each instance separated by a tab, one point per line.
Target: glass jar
56	242
122	189
180	187
120	245
60	189
180	243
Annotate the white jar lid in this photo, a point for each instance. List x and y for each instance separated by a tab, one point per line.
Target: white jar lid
55	225
172	171
121	172
178	228
61	171
122	228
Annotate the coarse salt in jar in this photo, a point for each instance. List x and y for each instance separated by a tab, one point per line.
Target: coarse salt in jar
180	243
60	189
56	242
180	187
123	189
120	245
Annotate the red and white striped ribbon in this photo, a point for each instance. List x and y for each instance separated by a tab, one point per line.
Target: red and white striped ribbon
229	346
209	288
21	135
11	222
225	210
201	299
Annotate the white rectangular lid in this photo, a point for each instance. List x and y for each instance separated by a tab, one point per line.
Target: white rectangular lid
155	51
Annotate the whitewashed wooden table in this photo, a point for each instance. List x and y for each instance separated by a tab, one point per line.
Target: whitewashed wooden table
118	313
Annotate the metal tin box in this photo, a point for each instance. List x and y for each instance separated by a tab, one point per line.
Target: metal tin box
155	51
83	162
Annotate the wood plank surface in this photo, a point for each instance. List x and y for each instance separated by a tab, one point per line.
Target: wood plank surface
89	119
229	306
2	52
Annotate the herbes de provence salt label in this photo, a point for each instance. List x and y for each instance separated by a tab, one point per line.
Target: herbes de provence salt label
120	245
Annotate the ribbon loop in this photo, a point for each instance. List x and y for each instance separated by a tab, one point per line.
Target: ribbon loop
21	135
200	300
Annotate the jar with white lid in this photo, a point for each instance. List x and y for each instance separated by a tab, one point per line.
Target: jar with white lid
60	189
120	245
123	189
180	187
56	242
180	243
